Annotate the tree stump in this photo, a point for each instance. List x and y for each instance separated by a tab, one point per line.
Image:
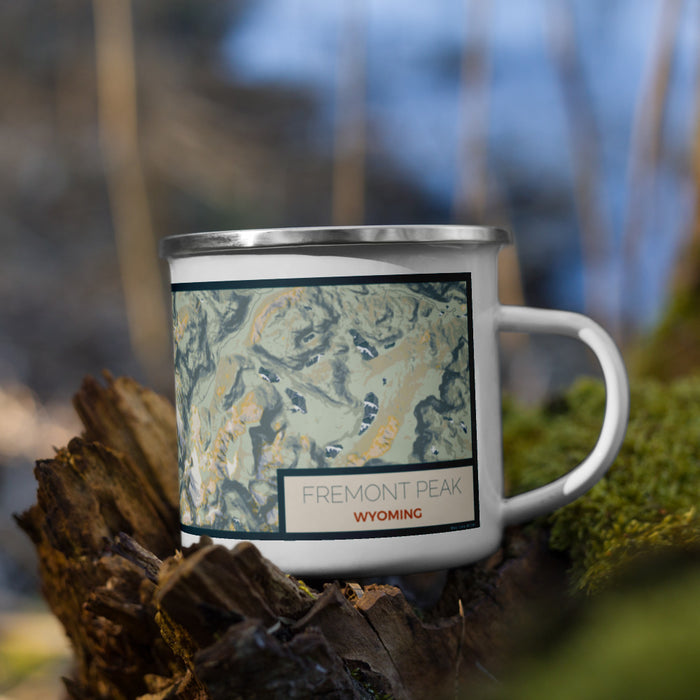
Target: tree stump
147	620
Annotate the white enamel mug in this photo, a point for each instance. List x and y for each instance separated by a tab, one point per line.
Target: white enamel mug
338	395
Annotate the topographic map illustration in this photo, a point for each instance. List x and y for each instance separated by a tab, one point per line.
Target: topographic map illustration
313	376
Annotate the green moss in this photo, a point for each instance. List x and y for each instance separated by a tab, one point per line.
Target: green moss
672	350
639	641
648	499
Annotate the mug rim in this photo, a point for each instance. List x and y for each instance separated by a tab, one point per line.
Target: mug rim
217	242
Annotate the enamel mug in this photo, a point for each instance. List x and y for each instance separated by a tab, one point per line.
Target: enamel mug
338	395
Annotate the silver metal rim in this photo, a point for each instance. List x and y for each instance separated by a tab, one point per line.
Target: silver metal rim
213	242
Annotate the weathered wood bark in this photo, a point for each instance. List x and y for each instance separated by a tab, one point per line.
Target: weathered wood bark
149	621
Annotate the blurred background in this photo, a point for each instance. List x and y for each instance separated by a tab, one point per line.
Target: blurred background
575	123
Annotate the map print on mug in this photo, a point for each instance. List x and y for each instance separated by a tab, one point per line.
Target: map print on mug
338	406
334	418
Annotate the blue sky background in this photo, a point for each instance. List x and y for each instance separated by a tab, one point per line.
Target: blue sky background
413	112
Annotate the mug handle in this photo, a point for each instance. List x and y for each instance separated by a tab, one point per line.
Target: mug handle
567	488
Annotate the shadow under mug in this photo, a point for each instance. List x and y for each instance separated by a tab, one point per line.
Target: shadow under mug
338	395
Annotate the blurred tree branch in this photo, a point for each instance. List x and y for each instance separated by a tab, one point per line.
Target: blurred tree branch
350	119
475	199
471	197
687	273
584	138
673	349
136	245
646	140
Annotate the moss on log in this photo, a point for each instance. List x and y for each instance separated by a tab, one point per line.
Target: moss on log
649	499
